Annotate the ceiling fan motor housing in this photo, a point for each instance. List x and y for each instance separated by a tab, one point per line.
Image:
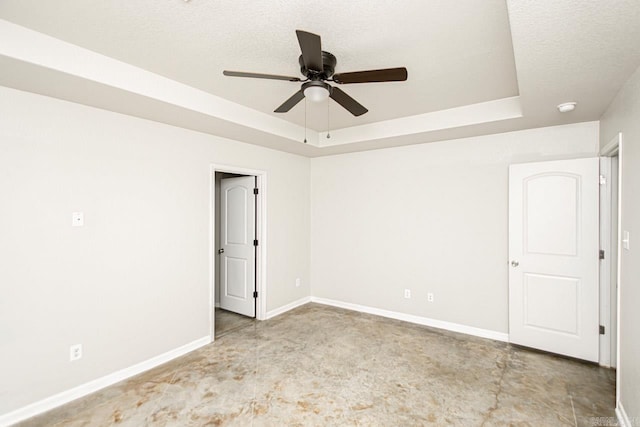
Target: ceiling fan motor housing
328	65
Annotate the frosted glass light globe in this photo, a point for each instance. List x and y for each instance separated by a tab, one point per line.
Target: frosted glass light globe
316	93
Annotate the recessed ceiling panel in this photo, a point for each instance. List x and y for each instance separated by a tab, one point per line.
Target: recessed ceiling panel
457	53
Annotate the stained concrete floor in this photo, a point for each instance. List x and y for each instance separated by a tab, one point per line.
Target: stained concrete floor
323	366
227	321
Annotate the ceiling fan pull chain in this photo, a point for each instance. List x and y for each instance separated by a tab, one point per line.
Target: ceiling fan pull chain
328	127
305	120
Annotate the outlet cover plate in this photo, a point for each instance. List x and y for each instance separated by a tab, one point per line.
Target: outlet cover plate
75	352
77	219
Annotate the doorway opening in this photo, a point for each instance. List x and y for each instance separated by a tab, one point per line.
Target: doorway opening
237	249
610	173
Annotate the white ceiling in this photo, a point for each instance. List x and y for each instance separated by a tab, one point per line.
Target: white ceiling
457	54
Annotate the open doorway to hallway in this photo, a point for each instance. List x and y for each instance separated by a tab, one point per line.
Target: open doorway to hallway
235	248
612	242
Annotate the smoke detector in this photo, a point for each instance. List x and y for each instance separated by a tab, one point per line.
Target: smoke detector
566	107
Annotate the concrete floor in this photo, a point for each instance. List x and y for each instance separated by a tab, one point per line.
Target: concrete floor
227	321
322	366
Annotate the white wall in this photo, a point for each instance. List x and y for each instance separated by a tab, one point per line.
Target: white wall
623	115
134	281
431	218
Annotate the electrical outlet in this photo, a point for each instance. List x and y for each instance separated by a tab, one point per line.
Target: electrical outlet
407	293
298	282
77	219
430	297
75	352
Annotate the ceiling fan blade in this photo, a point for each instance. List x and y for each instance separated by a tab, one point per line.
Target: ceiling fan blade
260	76
372	76
347	102
310	46
290	103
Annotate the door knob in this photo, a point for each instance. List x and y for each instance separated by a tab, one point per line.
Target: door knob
220	251
514	263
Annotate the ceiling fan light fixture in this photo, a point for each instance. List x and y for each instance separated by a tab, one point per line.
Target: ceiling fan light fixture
316	93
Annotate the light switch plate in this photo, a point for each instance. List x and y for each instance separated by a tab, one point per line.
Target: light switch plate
77	219
625	240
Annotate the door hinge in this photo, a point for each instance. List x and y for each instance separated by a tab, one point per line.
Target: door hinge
601	253
601	330
255	294
255	191
603	180
255	242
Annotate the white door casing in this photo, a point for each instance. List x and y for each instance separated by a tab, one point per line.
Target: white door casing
608	270
237	234
553	256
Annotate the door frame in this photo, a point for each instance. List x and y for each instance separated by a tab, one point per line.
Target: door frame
261	233
607	239
613	147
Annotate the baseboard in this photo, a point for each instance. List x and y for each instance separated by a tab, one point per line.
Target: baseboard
434	323
97	384
623	418
285	308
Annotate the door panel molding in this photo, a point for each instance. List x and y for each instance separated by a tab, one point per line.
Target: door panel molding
571	233
566	302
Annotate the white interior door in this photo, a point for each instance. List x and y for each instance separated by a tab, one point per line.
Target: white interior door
553	256
237	234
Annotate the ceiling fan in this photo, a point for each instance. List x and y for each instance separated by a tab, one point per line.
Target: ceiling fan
318	67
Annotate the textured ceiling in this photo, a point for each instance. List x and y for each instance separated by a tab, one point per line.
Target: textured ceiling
456	53
574	50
